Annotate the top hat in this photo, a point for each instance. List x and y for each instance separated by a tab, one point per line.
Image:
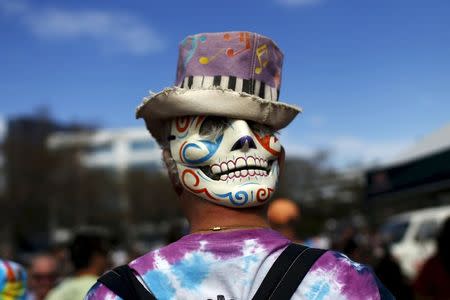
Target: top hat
230	74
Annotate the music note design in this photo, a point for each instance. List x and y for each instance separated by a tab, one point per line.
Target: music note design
260	51
204	60
244	37
194	45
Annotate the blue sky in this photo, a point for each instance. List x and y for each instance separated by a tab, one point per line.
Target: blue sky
372	76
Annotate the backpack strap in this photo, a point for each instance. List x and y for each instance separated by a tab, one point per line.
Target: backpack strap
287	272
123	282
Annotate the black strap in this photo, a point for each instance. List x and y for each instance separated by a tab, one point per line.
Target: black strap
287	272
123	283
294	276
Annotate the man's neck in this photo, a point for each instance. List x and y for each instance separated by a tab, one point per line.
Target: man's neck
204	215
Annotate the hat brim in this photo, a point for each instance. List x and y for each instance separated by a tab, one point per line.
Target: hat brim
176	102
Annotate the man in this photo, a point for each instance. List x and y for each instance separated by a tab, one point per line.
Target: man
88	253
217	130
42	276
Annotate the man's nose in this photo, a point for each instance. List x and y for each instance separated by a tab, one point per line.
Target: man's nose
244	140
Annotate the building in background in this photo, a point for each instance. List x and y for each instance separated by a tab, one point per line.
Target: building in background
418	178
117	150
126	161
60	177
26	173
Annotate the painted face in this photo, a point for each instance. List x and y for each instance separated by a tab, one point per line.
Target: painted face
227	161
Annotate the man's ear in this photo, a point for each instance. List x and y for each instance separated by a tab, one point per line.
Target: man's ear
172	172
281	160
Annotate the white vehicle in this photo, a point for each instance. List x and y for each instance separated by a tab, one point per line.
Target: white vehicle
412	236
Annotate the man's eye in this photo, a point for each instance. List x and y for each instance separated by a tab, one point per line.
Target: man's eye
212	126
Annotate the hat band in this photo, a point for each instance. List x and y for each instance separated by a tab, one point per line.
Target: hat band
249	86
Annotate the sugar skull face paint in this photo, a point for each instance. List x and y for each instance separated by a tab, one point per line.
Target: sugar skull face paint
227	161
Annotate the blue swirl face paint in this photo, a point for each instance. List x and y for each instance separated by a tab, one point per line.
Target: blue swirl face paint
211	147
231	169
238	199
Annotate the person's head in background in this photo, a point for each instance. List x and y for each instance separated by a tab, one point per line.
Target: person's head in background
89	253
42	275
13	281
284	216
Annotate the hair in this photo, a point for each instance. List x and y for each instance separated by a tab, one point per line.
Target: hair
85	246
170	163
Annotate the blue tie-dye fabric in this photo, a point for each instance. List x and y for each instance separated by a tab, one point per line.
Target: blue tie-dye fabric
232	265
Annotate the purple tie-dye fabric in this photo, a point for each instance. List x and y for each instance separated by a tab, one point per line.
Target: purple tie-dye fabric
232	265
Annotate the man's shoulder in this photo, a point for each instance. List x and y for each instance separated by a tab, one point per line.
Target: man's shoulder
141	265
334	274
339	261
149	261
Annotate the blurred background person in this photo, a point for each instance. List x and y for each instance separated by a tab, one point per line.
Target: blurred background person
59	250
42	276
433	281
12	281
389	272
284	216
89	256
346	241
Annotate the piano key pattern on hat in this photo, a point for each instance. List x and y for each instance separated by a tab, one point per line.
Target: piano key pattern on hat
249	86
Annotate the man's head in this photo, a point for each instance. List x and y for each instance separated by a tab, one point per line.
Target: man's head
227	161
89	253
43	275
223	113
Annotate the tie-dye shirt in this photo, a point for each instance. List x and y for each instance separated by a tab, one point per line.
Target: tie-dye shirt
231	265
